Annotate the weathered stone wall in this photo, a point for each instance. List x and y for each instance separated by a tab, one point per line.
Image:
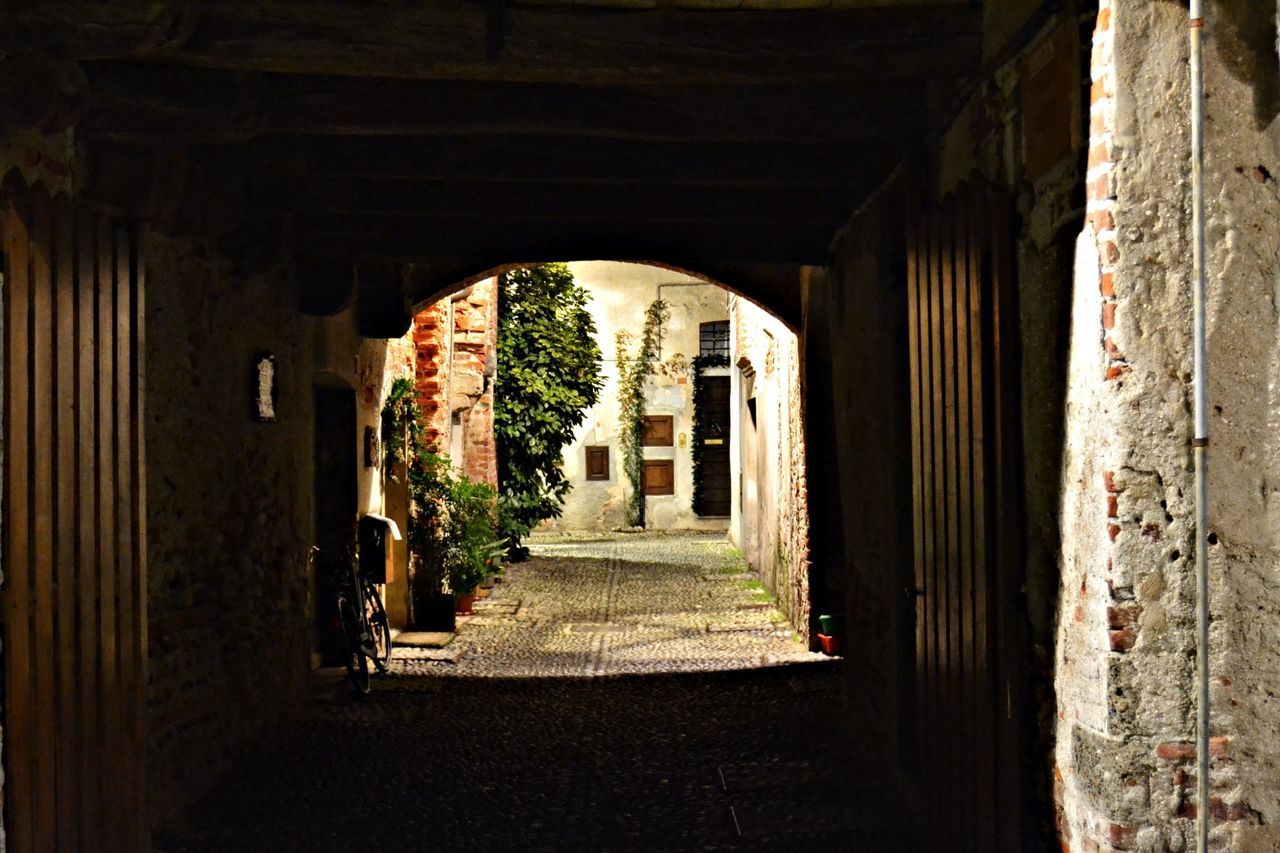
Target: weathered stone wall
229	515
620	293
1125	668
456	340
770	511
431	337
231	503
475	353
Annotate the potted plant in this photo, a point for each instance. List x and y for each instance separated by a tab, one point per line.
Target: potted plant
832	625
472	544
831	635
452	537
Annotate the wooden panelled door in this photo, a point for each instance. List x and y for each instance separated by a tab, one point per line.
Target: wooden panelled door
966	504
713	403
75	591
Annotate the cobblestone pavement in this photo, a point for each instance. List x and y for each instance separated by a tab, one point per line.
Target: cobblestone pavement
638	604
739	759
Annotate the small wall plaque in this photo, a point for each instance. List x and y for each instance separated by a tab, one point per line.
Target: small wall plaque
372	448
264	387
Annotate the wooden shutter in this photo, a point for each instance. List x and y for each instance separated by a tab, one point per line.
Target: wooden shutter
597	463
965	469
658	431
659	477
74	529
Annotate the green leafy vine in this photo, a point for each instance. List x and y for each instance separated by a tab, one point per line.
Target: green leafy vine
634	370
401	424
698	438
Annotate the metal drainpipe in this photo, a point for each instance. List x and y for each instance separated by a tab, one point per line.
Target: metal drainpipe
1200	442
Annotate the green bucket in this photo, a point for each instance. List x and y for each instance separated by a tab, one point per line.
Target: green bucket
832	626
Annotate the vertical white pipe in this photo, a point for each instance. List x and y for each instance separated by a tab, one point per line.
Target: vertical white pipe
1200	442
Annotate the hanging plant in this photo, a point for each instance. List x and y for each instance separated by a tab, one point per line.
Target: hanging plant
634	370
698	438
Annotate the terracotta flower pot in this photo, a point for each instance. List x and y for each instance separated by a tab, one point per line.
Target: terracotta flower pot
466	603
830	645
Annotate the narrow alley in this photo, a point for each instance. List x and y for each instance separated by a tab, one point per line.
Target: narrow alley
755	424
504	755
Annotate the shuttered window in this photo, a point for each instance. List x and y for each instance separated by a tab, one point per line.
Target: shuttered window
597	463
659	477
658	431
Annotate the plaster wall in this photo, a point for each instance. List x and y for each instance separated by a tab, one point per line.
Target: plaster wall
769	505
620	294
1124	674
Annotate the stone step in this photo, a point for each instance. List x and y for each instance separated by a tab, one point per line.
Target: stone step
423	639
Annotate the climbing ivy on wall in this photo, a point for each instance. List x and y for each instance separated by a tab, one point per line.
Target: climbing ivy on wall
402	423
634	369
698	438
548	376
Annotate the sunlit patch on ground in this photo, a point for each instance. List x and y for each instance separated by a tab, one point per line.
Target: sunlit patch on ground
618	605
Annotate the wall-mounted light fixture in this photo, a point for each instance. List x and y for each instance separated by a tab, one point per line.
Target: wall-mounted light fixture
264	387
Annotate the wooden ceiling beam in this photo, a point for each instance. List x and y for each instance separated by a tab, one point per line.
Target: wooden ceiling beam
566	202
203	105
520	159
447	39
410	239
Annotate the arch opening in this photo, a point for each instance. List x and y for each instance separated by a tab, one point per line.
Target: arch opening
721	479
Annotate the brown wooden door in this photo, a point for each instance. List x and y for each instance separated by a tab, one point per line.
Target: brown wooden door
713	470
75	596
963	408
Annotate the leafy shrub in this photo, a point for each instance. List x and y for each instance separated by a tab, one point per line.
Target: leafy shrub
549	375
452	528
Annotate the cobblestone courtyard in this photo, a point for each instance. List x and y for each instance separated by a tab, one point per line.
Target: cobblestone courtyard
609	606
627	749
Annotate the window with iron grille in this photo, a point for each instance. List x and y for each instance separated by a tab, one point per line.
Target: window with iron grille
714	338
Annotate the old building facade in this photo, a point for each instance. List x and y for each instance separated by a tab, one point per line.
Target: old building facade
976	217
619	295
770	513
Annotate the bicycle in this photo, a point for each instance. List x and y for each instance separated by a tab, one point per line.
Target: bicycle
362	621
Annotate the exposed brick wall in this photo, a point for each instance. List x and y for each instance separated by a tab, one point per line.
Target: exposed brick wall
1100	180
1126	644
431	341
475	343
467	327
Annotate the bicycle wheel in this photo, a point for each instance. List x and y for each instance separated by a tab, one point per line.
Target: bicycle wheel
353	656
379	626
